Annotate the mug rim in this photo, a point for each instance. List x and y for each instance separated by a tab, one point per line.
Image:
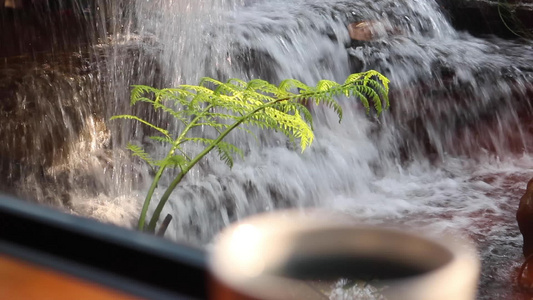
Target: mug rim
278	231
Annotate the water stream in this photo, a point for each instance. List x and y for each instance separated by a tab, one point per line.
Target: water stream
452	153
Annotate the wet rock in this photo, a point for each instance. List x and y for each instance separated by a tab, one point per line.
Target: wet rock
29	29
369	30
45	106
361	31
505	18
524	216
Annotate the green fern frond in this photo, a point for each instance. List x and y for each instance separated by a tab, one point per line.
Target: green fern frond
144	99
331	103
139	152
306	114
205	141
237	81
161	139
138	91
232	104
212	125
289	84
226	151
291	125
236	85
226	106
163	131
174	161
258	122
381	90
180	95
197	89
353	78
370	78
370	93
208	80
362	98
220	116
262	86
326	85
257	98
176	114
227	89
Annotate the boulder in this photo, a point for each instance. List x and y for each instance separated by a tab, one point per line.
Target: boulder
524	216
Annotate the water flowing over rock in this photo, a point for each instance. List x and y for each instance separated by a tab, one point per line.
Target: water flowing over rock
452	153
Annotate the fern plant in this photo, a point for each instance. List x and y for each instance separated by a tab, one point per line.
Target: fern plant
223	106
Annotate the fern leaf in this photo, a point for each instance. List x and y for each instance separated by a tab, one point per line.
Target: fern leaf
161	139
326	85
263	86
362	98
237	81
226	151
228	89
212	125
208	80
289	84
306	114
381	90
290	125
176	114
370	93
257	98
143	99
205	141
174	161
196	89
138	91
163	131
220	116
353	78
139	152
179	95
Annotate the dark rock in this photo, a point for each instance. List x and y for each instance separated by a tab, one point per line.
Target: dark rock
505	18
524	216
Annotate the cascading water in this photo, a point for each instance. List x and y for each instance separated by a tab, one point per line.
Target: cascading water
452	153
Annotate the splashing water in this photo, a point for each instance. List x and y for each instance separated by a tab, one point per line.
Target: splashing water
452	153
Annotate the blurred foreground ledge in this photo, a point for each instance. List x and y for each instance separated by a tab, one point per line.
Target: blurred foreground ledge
59	255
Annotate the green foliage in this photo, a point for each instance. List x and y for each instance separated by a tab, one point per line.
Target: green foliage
225	106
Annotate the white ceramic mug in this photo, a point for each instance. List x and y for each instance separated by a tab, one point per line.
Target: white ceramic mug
294	255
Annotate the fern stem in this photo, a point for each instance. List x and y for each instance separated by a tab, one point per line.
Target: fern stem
177	180
148	198
188	127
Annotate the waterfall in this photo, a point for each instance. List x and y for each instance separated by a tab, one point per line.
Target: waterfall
453	152
455	99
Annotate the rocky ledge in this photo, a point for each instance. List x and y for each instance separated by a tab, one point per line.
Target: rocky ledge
505	18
